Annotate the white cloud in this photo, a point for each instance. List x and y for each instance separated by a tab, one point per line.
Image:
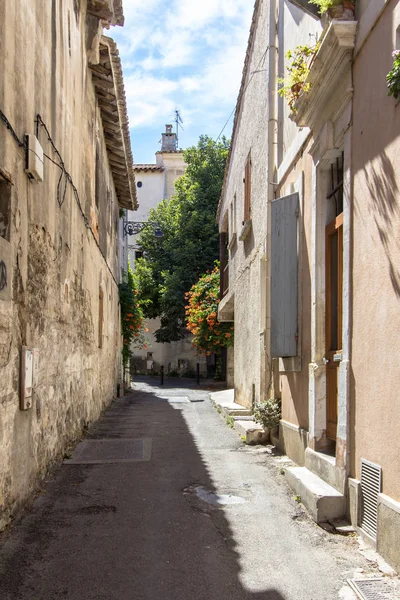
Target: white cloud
187	54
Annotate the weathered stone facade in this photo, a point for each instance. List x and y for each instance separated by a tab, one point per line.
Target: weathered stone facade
59	239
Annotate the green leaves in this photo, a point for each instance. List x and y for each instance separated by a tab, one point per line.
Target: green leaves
393	77
190	245
131	315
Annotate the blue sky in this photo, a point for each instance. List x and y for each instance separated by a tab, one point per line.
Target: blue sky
184	54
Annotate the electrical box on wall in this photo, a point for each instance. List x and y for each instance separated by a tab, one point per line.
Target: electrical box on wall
34	158
27	367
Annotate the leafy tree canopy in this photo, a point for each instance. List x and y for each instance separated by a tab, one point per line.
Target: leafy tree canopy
190	244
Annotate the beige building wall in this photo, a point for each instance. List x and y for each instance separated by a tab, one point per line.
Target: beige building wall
59	254
376	263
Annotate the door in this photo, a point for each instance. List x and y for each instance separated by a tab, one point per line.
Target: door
334	304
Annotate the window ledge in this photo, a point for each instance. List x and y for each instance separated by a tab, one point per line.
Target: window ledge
247	225
290	364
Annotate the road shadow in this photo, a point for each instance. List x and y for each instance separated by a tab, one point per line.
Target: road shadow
128	531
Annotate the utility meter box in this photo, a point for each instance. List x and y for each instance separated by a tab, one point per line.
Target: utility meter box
34	158
27	360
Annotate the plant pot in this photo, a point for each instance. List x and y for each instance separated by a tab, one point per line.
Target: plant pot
296	89
343	11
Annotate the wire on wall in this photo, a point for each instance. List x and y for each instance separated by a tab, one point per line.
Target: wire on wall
257	70
7	123
64	180
65	177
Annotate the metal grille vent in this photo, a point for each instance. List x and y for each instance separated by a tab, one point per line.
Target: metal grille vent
371	483
373	589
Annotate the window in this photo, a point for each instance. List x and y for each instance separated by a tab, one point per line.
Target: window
232	220
138	254
247	190
101	309
5	208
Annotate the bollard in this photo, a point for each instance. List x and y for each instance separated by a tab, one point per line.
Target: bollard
198	373
162	374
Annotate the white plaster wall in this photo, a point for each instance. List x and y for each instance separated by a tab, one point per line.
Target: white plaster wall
251	136
295	28
149	196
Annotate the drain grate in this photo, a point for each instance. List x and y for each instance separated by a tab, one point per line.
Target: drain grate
106	450
373	589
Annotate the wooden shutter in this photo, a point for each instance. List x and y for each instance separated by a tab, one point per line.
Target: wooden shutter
284	276
247	190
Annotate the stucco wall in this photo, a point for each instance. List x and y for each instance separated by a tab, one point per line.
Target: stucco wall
375	370
245	256
58	265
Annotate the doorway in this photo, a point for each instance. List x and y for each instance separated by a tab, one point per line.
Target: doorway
334	296
334	311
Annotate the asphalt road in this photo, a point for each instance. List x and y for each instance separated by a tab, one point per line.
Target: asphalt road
186	512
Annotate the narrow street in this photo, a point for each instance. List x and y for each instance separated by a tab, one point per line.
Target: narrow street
149	526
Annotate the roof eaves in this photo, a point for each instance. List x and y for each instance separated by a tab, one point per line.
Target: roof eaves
109	86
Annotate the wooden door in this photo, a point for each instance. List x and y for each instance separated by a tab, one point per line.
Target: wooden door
334	307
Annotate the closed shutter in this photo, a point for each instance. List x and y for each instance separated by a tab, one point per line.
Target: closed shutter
247	190
284	276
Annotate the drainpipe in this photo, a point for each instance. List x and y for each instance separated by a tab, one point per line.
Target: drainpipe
271	170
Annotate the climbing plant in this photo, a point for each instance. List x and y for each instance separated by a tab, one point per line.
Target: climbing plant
132	318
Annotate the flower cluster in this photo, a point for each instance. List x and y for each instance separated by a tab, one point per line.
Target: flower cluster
132	319
209	334
393	77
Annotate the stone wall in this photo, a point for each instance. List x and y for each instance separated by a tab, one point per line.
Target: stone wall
61	250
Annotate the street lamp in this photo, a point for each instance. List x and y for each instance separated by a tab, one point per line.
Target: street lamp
135	227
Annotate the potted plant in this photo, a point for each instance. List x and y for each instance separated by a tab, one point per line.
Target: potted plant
393	77
336	9
268	413
293	85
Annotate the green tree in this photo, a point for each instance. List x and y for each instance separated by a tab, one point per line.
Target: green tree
132	318
190	244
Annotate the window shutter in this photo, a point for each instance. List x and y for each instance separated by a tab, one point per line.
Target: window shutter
284	276
247	190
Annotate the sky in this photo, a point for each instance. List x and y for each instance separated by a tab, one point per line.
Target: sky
186	55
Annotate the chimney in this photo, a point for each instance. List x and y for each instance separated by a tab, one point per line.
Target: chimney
169	140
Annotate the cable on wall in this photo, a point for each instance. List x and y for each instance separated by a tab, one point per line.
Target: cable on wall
68	180
7	123
65	177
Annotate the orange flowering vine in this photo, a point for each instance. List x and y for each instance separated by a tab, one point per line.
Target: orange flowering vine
209	334
132	318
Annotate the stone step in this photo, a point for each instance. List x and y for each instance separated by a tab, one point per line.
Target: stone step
225	401
252	432
323	502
